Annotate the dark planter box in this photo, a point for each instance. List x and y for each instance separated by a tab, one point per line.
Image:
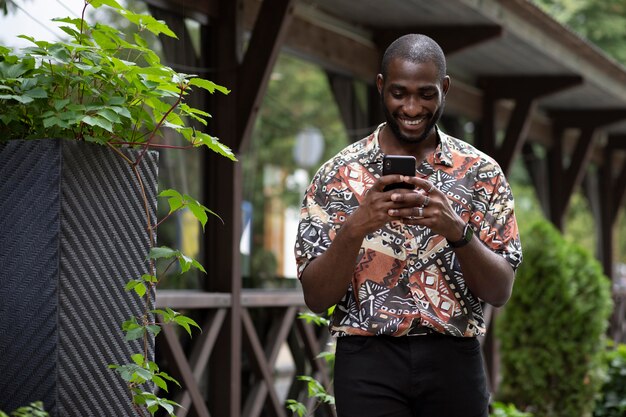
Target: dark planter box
72	233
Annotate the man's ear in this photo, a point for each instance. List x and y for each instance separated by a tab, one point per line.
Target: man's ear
379	83
445	84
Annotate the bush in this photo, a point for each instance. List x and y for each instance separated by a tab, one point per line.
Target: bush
507	410
552	330
612	400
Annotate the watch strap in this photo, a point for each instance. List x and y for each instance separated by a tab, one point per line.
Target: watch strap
468	233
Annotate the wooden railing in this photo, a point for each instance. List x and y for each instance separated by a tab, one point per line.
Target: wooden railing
271	330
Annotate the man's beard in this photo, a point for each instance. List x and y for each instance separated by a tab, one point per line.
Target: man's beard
392	123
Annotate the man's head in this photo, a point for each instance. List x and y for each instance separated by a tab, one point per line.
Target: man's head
413	84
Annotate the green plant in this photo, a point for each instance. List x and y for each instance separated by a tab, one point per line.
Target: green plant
33	410
552	330
507	410
106	88
315	389
612	399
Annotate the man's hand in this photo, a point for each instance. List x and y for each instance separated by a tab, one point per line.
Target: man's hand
378	206
426	206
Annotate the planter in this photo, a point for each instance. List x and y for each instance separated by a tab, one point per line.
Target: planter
72	233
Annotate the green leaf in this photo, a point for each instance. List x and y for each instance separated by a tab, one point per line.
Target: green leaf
210	86
296	407
163	252
37	93
21	99
160	383
110	3
157	27
16	70
199	212
99	122
149	278
154	329
131	284
185	322
174	199
214	144
134	334
138	358
140	289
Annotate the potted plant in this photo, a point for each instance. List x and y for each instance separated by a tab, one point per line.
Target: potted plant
79	124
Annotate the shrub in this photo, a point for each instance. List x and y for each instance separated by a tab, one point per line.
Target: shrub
612	399
552	330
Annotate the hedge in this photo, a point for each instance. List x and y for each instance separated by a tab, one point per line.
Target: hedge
552	331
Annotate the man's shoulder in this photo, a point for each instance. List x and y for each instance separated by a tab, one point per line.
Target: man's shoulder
355	152
459	148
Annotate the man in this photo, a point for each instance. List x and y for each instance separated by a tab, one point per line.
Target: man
408	269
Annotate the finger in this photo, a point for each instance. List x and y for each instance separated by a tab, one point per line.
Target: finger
412	213
421	183
390	179
411	197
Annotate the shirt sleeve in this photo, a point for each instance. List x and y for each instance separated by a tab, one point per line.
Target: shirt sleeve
495	219
313	236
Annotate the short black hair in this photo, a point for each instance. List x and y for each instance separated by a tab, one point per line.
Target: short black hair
416	48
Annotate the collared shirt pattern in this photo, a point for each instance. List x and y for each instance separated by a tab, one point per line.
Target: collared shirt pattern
407	280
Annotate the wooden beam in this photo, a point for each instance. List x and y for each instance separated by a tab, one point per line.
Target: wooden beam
580	118
222	184
272	22
262	367
527	85
524	90
555	176
564	180
352	113
451	38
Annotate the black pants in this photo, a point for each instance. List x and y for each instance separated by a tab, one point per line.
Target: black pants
413	376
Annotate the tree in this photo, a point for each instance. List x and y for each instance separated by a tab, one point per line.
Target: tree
603	22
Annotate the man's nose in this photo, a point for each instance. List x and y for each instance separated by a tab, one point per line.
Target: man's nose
412	107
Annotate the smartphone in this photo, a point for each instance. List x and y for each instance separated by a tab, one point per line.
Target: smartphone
399	164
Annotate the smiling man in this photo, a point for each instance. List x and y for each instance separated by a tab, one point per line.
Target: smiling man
409	269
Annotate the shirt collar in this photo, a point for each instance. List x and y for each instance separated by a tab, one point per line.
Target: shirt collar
442	155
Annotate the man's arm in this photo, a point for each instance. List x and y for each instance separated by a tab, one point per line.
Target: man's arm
488	275
327	278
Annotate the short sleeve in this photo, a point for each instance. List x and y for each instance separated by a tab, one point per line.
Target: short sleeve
495	215
313	236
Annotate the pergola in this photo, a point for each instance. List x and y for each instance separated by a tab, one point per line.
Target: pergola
532	87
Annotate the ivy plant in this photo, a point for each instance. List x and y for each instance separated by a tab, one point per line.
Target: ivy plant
104	87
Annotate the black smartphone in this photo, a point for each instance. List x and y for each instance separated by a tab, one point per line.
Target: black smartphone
399	164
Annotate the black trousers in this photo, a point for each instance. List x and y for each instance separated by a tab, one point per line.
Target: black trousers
413	376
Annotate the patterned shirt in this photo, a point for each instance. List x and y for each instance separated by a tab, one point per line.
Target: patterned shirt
407	280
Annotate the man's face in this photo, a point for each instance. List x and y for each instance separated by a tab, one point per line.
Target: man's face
413	99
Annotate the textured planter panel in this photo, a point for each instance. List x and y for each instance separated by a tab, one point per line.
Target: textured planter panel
73	224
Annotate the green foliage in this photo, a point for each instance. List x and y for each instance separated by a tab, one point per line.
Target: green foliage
507	410
612	399
108	86
33	410
99	86
603	22
552	330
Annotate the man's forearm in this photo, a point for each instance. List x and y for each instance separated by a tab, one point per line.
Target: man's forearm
326	279
488	275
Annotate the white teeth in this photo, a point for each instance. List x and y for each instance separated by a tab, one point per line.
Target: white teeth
413	122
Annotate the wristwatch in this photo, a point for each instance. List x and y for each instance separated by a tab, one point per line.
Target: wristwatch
468	233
